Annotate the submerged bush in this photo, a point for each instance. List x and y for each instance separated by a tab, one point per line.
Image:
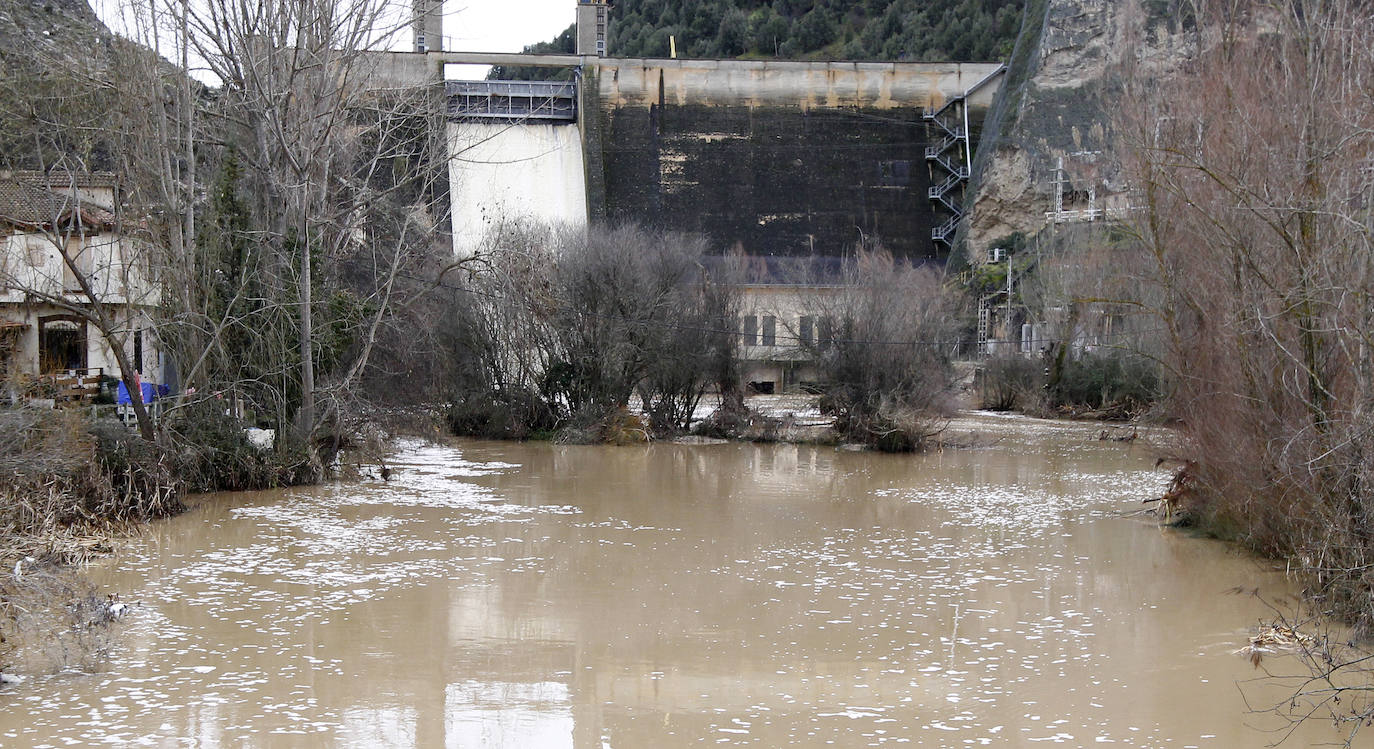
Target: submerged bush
563	328
888	378
1007	383
1120	382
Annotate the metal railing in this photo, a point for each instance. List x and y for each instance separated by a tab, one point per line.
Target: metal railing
512	100
945	232
939	191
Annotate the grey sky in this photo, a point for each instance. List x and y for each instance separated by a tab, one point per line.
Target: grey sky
501	26
469	25
504	25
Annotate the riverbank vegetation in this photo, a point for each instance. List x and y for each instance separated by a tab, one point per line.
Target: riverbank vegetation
72	481
1091	347
70	489
74	485
278	231
1256	236
563	327
886	370
1263	265
276	243
1118	384
616	334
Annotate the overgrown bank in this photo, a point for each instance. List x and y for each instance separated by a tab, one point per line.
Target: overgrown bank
1256	237
1242	241
72	486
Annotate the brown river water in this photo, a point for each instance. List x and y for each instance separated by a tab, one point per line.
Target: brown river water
536	595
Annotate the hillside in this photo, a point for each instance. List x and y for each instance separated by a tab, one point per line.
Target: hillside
49	52
915	30
30	27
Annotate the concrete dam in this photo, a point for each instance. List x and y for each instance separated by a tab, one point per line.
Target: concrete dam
783	159
515	154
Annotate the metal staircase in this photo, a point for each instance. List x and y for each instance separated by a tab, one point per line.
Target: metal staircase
952	156
948	157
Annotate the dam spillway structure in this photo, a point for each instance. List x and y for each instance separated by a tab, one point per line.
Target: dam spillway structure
778	158
514	154
781	159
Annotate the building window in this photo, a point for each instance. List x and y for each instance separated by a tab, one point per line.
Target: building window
825	332
138	351
751	330
82	255
770	330
808	330
37	251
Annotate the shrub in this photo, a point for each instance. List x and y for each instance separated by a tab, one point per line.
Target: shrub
564	327
65	474
212	453
516	414
1007	383
889	382
1123	383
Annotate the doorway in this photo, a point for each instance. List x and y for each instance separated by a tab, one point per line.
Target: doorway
61	343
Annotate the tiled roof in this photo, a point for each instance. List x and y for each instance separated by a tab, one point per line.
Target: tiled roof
62	179
26	201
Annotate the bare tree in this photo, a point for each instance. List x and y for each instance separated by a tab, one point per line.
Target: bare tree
294	201
1255	171
886	365
313	132
289	208
564	327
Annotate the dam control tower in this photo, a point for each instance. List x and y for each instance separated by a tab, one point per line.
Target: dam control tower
592	18
428	25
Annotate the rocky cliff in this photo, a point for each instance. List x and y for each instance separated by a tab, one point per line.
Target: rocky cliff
54	56
33	28
1048	142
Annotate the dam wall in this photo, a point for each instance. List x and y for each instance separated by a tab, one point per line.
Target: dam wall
780	159
502	172
784	159
623	82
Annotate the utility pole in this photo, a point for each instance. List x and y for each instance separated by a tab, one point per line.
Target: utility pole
1008	320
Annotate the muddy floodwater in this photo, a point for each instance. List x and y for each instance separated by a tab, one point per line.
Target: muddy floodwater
537	595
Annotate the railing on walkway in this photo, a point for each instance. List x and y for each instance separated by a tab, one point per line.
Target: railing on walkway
512	100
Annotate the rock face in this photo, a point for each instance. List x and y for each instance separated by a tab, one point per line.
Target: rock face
29	28
1048	143
54	55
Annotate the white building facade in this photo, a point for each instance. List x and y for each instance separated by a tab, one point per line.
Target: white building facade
61	253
